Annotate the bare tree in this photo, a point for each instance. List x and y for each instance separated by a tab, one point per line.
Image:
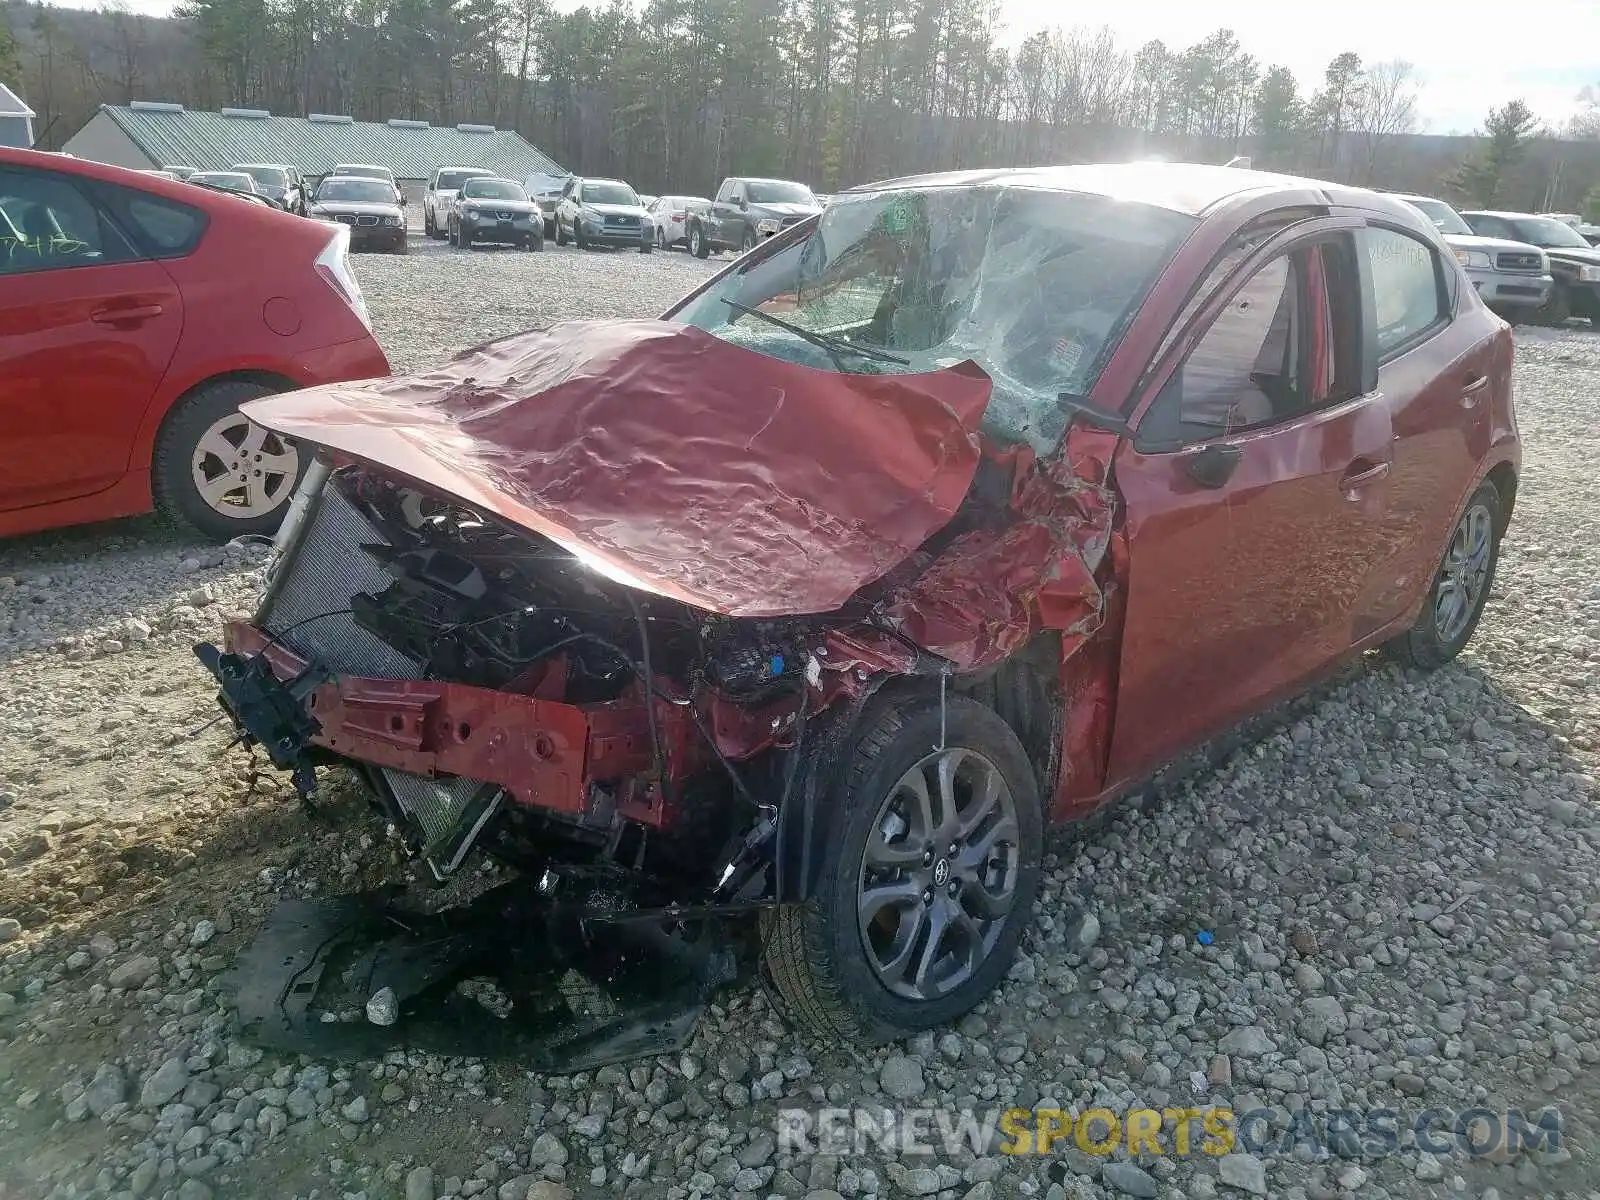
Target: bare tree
1385	106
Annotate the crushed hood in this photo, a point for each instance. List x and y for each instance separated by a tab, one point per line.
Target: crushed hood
672	460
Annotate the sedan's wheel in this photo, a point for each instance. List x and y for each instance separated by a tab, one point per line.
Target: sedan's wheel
932	872
219	471
1460	587
661	238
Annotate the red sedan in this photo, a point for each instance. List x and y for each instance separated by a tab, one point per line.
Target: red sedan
957	511
136	315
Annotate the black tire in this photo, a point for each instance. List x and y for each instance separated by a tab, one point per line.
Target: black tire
171	470
814	955
698	245
535	244
450	234
647	245
463	238
578	239
429	229
1557	309
748	242
561	234
1424	646
661	239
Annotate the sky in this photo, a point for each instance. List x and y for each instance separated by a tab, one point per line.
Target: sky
1465	66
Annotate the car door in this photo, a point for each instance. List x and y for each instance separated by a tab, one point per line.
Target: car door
725	214
87	328
1254	489
1440	357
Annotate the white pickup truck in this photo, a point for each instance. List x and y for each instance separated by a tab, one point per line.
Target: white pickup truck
441	197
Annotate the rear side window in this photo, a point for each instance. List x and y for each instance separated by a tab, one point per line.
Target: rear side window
163	228
47	223
1408	293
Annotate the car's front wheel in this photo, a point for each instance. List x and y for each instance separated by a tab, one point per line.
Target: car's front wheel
219	471
698	246
748	242
429	230
932	869
1460	586
561	234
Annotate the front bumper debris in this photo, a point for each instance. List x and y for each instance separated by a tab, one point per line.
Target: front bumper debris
535	749
511	975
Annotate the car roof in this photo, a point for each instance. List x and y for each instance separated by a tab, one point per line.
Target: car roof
358	167
442	170
1189	188
1495	212
274	166
604	179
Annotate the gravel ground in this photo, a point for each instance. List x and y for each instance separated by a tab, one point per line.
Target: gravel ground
1398	883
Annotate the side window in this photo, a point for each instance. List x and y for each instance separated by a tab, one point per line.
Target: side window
1285	344
1407	288
49	224
725	192
1240	248
164	228
1247	362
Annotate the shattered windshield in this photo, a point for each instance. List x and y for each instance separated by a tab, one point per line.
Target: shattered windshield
1035	286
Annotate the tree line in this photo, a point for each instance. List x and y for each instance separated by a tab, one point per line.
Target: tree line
678	93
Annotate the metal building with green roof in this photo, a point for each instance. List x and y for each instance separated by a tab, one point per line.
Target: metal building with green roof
148	134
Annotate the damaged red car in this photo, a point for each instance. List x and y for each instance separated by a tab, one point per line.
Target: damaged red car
947	516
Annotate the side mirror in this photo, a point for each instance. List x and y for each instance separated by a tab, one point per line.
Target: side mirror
743	204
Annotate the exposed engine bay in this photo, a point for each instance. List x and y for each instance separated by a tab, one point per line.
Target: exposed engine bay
425	589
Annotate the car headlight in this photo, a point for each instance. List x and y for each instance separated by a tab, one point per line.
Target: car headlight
768	226
391	221
1589	274
1473	258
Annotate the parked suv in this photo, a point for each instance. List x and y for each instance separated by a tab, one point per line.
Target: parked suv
747	210
136	315
279	183
441	194
603	212
490	209
1573	262
1512	276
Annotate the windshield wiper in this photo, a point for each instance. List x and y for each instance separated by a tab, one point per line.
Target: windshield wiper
1099	418
832	343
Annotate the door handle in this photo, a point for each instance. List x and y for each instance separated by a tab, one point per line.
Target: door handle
1362	473
1472	388
133	314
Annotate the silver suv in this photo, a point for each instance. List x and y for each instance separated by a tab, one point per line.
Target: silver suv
1513	278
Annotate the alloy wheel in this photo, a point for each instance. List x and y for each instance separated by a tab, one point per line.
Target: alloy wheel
938	874
1464	573
242	470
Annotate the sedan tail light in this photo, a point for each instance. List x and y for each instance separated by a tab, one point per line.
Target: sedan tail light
333	264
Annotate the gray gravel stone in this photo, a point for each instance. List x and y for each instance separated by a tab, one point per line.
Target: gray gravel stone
164	1083
901	1078
1130	1180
